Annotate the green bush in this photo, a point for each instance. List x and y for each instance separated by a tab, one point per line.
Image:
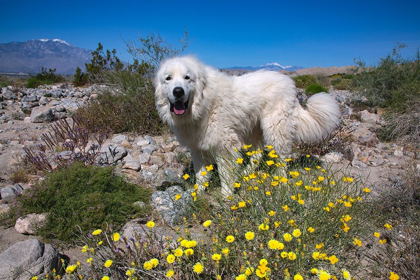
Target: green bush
305	80
80	198
315	88
33	83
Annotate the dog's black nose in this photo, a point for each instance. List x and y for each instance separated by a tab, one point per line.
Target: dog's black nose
178	92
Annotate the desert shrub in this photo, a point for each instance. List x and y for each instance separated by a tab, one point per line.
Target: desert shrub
315	88
129	105
33	83
393	84
80	78
323	80
336	81
78	198
77	138
279	224
341	83
305	80
49	76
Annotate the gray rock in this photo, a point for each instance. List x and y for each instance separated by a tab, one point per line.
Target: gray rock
166	178
118	139
151	140
149	149
144	158
30	223
367	117
333	157
171	209
9	192
359	164
42	114
8	94
132	164
28	258
112	154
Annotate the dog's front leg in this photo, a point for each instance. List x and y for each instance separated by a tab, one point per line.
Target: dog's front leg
201	175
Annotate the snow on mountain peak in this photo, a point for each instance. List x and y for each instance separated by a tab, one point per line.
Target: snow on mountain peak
275	64
54	40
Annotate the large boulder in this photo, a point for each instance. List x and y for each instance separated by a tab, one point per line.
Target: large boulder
42	114
28	258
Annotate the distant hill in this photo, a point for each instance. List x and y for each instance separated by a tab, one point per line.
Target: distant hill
32	55
274	66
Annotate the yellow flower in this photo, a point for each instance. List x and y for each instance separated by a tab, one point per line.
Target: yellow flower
186	176
263	262
280	246
388	226
285	208
284	180
148	265
97	232
311	229
105	278
177	197
34	278
216	257
357	242
264	227
296	233
170	258
346	274
178	252
382	241
366	190
241	204
207	223
249	271
324	275
230	238
239	160
314	271
116	236
225	251
348	179
301	201
394	276
333	259
315	255
319	246
376	234
150	224
209	168
267	193
198	268
108	263
85	248
269	162
287	237
170	273
71	268
249	235
292	256
298	277
191	244
155	262
129	272
271	213
275	183
327	209
189	252
246	147
273	244
241	277
284	254
237	185
89	260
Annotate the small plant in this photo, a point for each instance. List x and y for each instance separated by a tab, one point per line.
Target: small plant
315	88
305	80
80	197
33	83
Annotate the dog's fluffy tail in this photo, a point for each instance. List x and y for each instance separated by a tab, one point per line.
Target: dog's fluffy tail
321	117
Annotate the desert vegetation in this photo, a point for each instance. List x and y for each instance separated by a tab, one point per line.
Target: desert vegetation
289	218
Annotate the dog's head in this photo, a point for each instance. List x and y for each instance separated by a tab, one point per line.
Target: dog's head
179	83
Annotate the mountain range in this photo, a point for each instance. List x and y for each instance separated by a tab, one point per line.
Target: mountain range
32	55
274	66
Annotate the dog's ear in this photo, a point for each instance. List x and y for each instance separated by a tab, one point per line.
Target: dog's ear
200	84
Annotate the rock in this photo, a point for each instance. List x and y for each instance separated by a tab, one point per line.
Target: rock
28	258
169	207
27	120
140	204
166	178
149	149
333	157
118	139
368	117
144	158
111	154
30	223
359	164
42	114
8	94
9	192
132	164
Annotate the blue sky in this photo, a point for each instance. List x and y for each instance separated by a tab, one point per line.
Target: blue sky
227	33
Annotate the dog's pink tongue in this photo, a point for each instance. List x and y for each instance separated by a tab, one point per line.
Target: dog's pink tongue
179	108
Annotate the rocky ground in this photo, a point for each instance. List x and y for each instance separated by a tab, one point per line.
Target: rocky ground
157	161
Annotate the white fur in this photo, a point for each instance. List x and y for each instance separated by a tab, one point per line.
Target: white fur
225	112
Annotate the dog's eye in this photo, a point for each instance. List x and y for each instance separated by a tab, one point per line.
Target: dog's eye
187	77
168	78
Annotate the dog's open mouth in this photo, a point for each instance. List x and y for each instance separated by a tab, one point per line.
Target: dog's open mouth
179	107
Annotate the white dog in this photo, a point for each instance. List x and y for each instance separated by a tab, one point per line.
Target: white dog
211	113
